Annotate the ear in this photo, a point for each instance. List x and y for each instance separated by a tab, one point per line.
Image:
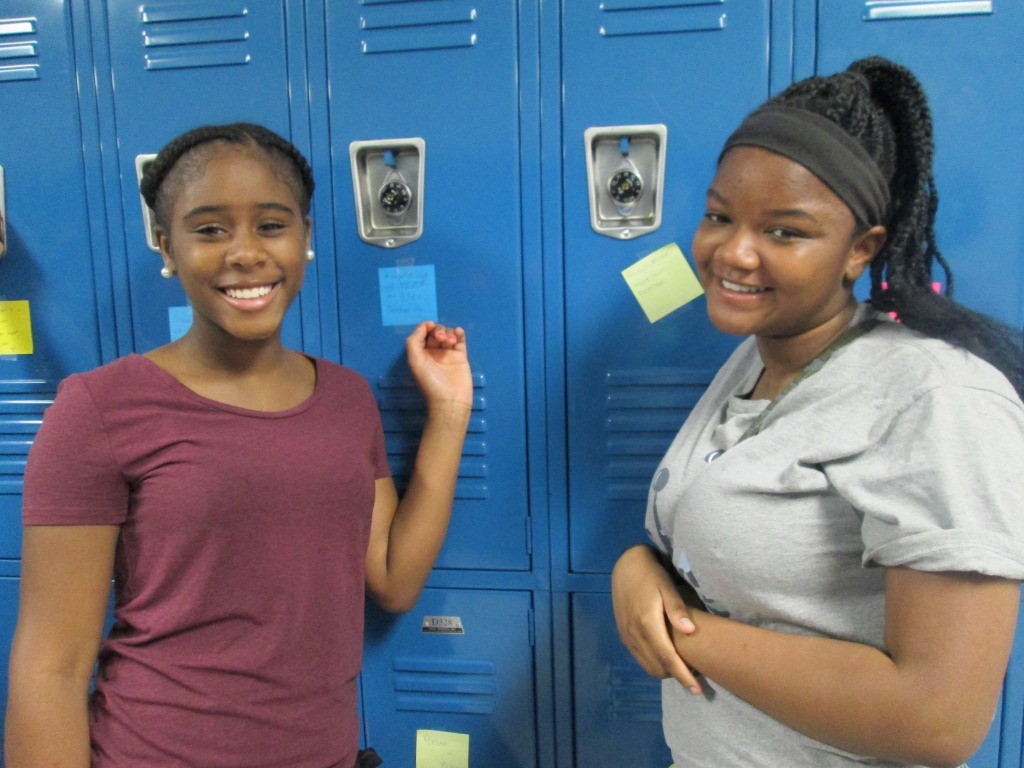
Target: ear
863	250
309	232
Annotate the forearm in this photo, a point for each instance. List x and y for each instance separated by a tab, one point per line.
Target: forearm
421	518
846	694
47	722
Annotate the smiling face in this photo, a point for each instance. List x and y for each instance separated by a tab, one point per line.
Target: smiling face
777	251
237	240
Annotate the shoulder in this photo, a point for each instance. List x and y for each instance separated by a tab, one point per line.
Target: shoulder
112	378
112	382
340	381
904	365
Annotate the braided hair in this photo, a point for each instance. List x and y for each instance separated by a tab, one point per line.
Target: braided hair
182	157
882	105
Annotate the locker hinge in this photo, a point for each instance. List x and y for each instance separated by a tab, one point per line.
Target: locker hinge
532	627
529	535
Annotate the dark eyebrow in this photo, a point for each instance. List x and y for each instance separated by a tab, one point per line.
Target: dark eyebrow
775	212
202	209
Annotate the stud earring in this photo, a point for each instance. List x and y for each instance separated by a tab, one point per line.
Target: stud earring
310	254
166	272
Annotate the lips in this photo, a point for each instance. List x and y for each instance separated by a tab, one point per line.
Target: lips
250	297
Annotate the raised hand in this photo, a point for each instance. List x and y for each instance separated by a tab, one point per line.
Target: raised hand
439	363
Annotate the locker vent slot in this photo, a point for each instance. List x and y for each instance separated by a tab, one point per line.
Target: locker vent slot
21	412
634	695
885	10
644	410
17	56
213	33
624	18
398	26
464	686
403	415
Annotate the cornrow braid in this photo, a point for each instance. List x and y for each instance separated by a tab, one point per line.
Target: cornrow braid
157	172
882	105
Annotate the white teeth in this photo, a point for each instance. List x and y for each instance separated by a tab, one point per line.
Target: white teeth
731	286
248	293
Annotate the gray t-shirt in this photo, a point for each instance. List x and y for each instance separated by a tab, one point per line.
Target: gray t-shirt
900	451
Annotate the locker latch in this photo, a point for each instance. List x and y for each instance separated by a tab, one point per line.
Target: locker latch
148	216
625	178
387	180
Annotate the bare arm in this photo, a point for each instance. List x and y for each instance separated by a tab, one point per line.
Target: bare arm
406	536
647	604
65	586
930	701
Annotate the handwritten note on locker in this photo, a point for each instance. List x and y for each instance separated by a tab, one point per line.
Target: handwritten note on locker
440	749
408	295
15	328
662	282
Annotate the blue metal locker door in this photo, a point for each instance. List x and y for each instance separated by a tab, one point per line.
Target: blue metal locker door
618	705
445	73
697	69
967	56
461	662
173	66
47	269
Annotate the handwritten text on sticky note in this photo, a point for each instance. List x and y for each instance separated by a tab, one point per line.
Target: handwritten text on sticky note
408	295
15	328
440	749
662	282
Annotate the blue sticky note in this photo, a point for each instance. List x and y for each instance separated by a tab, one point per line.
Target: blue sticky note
408	295
180	320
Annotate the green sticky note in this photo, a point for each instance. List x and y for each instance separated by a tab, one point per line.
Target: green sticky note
440	749
662	282
15	328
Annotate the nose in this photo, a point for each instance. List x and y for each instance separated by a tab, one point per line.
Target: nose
737	249
246	250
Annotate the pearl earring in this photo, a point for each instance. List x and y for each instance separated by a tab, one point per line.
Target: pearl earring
310	254
166	272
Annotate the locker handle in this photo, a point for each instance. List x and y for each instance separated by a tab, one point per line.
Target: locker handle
884	10
3	215
148	216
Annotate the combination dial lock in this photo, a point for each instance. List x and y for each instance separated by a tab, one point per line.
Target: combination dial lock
395	197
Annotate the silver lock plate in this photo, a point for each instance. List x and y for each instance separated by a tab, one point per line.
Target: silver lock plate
387	181
625	178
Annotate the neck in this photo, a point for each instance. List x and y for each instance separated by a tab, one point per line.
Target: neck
785	356
232	356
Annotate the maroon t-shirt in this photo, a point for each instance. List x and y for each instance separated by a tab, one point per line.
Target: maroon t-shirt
239	573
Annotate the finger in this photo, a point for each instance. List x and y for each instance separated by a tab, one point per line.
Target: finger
677	612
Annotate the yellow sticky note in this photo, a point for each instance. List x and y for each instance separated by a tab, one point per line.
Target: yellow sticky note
15	328
662	282
440	749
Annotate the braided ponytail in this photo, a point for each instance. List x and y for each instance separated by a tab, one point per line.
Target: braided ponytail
882	105
172	161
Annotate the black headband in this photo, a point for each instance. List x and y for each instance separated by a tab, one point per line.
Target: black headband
825	149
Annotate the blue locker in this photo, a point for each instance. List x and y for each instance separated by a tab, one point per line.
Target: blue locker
174	66
445	73
618	705
48	262
460	662
631	383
